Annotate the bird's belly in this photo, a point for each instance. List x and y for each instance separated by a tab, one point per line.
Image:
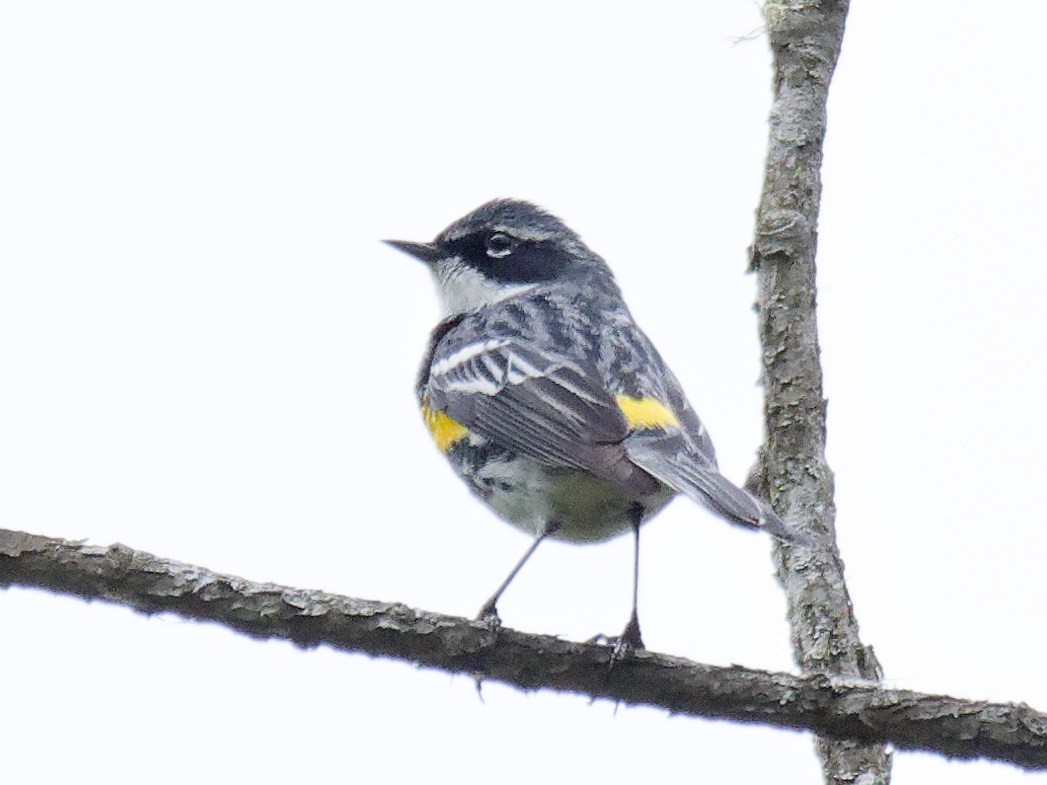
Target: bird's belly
529	494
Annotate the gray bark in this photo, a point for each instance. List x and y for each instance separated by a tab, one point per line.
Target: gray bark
860	711
805	37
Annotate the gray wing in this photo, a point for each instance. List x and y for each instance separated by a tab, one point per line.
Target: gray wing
550	407
683	457
557	410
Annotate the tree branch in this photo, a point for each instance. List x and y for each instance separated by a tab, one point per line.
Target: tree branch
862	712
805	37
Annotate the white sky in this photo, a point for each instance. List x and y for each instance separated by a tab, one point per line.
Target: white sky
206	354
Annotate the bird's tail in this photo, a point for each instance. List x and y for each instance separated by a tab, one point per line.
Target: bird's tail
737	505
705	485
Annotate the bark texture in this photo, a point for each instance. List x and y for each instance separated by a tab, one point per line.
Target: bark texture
805	37
860	711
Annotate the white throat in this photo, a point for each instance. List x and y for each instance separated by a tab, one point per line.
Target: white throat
463	289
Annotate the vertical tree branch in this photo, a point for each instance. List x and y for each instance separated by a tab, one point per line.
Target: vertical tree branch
805	37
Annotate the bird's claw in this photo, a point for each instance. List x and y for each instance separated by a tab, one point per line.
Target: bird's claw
488	615
622	645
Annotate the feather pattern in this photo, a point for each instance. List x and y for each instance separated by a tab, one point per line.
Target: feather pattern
546	371
543	405
560	408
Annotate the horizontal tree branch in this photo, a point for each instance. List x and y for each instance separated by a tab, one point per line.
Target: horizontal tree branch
857	711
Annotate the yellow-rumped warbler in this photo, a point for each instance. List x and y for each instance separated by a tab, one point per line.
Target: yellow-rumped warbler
548	400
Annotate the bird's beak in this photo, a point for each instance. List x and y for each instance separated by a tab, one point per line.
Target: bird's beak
427	252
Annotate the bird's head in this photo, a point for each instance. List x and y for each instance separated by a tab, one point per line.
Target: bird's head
503	249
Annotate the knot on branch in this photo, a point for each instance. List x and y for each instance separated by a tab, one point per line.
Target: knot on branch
781	232
793	21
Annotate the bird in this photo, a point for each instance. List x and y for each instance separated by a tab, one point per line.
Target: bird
549	401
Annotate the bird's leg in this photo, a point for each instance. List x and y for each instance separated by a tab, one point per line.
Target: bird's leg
630	639
489	612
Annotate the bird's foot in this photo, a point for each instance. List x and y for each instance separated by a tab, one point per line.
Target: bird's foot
621	646
629	641
489	616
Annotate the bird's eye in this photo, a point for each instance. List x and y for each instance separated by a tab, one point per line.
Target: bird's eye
500	245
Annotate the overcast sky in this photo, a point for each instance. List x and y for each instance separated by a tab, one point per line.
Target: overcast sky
206	353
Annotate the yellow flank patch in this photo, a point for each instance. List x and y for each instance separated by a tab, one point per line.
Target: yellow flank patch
646	413
446	431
